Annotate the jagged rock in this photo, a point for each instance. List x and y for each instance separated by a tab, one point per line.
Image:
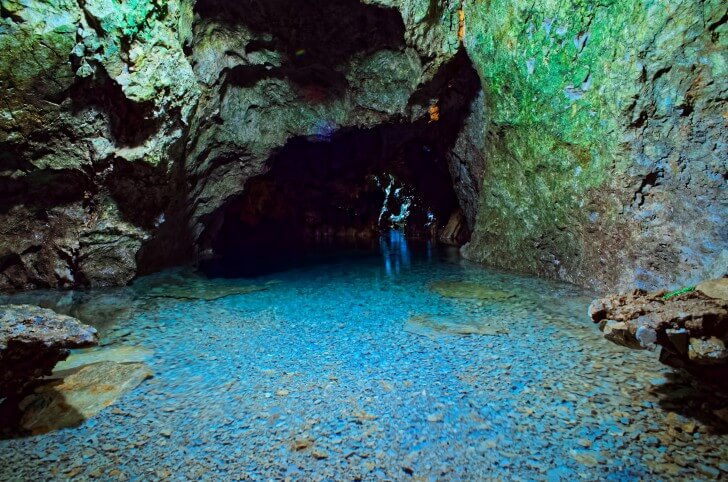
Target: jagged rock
80	395
106	149
709	351
33	340
367	72
103	100
470	290
690	328
714	288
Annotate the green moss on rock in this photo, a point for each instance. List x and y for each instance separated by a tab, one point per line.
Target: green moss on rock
572	89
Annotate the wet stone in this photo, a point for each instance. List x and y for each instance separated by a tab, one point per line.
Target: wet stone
80	395
33	340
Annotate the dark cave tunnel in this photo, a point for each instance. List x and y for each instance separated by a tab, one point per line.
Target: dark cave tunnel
338	189
346	189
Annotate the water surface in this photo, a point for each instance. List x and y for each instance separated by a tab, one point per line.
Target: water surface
311	374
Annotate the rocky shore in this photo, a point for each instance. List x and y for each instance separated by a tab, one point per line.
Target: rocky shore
690	325
32	341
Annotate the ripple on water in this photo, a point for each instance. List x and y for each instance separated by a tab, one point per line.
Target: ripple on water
312	374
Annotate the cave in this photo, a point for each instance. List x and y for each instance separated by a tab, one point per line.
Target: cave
363	240
347	189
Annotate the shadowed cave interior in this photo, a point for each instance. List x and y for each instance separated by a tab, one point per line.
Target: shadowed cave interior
345	189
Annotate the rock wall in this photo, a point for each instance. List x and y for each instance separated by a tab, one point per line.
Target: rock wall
96	101
303	68
606	148
595	154
125	124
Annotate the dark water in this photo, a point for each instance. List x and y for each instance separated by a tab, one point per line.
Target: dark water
359	367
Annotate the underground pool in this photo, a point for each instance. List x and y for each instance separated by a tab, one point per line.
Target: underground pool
363	240
407	363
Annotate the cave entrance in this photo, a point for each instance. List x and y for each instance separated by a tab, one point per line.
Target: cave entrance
352	189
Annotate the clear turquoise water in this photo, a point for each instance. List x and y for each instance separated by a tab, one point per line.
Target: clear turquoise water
322	355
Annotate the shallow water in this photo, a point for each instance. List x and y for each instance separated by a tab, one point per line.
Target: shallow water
312	375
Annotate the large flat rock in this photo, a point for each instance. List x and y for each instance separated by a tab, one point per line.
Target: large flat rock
80	395
436	326
33	340
116	354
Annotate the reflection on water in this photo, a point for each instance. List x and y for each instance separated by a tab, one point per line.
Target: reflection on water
395	251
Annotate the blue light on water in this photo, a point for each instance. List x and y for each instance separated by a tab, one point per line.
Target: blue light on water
395	252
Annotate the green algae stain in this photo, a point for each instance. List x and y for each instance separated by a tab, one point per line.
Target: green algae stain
35	42
559	79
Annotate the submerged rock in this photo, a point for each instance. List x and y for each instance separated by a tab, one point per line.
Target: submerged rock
471	290
79	396
116	354
33	340
427	325
690	327
200	290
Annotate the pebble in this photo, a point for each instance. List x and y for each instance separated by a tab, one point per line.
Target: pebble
319	454
435	417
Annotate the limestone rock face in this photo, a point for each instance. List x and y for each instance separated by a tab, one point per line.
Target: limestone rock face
133	122
467	161
691	328
605	140
596	152
299	69
33	340
95	106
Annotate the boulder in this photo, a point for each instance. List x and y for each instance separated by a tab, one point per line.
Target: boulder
33	340
80	395
689	326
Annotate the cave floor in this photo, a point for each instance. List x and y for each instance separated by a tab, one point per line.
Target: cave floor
359	368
